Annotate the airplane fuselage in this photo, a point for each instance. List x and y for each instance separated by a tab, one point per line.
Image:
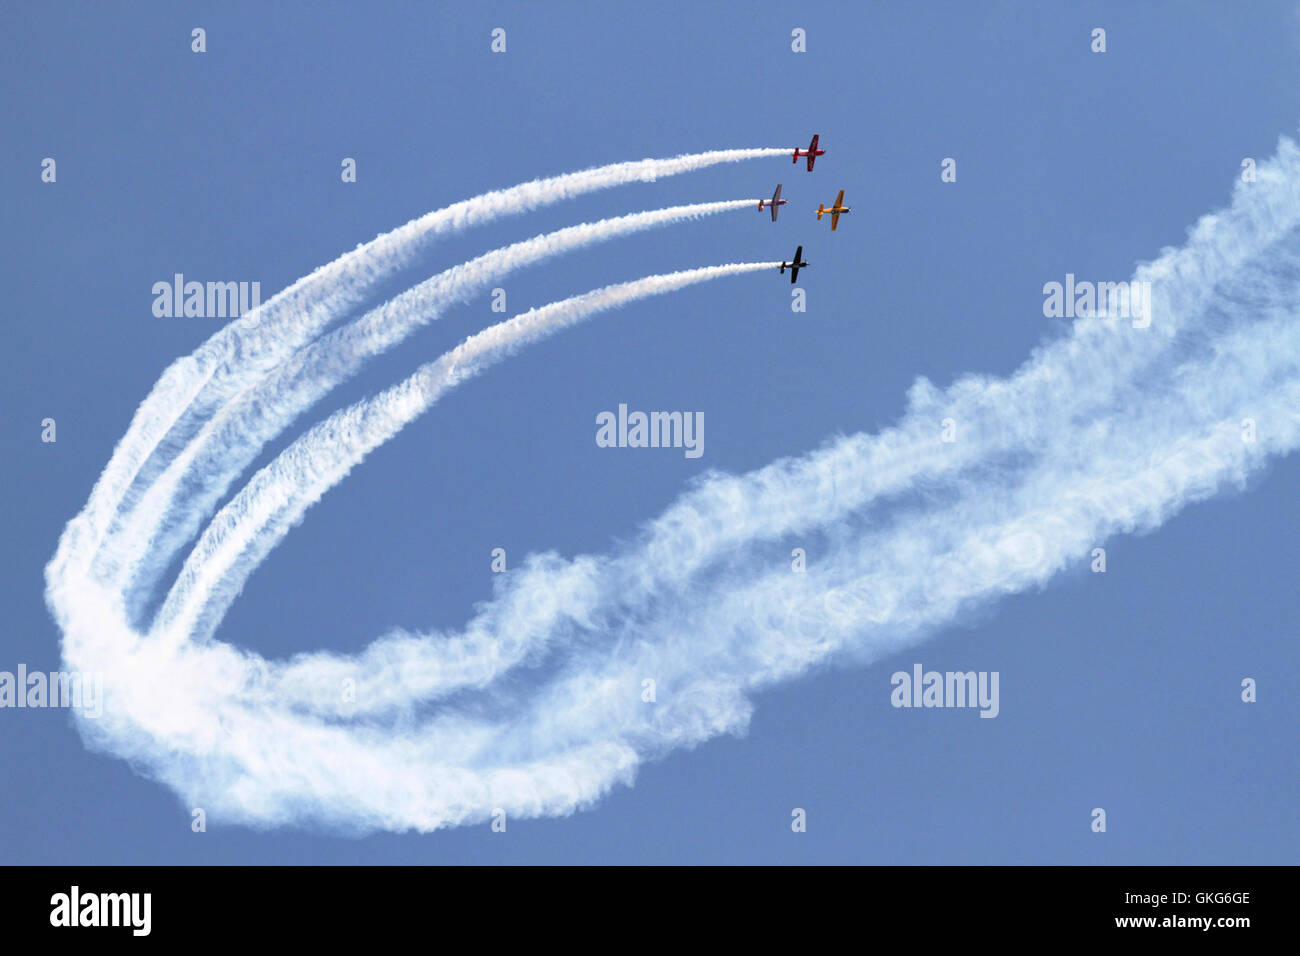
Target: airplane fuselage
812	156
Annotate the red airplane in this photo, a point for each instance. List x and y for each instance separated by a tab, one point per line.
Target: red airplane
812	152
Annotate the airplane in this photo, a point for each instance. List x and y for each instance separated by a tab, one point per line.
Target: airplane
794	266
835	210
775	202
812	152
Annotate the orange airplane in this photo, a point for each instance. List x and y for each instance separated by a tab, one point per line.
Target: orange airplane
836	210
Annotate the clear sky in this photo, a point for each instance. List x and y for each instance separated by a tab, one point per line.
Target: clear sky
1118	690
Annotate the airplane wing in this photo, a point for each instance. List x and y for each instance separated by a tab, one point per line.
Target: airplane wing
835	219
839	200
776	197
794	274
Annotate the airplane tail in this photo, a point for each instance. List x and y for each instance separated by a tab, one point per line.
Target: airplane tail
821	208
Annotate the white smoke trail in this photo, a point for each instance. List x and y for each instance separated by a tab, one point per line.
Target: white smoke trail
151	533
243	350
1077	375
1039	476
248	528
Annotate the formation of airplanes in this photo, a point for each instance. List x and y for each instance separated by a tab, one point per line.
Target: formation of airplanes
835	210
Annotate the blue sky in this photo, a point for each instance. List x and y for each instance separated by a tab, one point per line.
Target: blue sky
1118	690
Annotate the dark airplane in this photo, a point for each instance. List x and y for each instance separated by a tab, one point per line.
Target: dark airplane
795	266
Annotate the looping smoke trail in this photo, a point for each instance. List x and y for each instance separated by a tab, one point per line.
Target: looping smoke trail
244	531
243	350
1107	430
149	535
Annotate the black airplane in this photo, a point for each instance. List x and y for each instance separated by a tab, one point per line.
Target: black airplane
794	266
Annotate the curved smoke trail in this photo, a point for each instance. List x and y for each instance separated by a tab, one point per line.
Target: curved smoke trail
143	542
1110	429
245	531
242	351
